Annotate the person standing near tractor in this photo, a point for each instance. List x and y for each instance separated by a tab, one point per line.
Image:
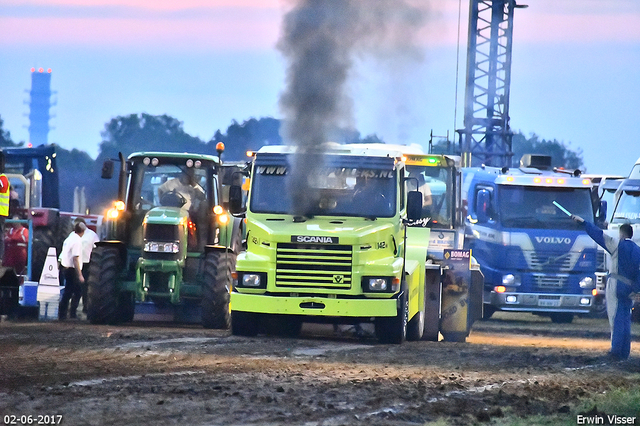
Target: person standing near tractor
89	240
71	261
4	202
624	280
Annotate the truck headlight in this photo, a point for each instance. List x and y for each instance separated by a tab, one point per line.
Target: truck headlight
510	279
381	284
158	247
587	282
378	284
252	280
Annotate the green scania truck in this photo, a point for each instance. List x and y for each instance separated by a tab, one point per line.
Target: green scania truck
358	254
169	241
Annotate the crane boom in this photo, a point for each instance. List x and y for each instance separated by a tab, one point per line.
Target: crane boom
486	137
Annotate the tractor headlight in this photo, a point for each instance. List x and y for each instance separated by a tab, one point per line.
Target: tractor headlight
587	282
158	247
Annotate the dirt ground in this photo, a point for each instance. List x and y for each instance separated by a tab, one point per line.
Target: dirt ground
167	374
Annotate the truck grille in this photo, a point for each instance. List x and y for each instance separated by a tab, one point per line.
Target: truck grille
313	266
550	282
554	262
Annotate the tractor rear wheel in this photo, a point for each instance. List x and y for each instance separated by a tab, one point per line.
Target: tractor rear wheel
102	287
43	238
216	286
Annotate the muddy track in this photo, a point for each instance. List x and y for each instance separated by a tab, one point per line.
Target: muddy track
170	374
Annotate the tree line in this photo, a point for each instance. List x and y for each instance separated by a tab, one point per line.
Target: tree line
145	132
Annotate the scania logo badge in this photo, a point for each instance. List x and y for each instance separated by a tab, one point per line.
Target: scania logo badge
338	279
314	239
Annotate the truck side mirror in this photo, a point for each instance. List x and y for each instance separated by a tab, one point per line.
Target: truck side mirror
602	213
235	199
107	169
603	210
414	205
483	201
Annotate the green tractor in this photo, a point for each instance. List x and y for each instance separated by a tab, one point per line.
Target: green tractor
169	241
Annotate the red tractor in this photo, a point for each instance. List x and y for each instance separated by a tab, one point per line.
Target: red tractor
33	174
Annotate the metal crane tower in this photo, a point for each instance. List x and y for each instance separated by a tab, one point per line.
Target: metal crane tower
486	137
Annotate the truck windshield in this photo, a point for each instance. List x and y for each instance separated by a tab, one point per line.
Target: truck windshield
436	186
335	191
167	185
628	208
532	207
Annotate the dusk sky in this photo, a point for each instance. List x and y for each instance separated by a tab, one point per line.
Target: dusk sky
575	74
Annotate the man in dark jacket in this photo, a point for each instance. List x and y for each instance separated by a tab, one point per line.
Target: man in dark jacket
624	280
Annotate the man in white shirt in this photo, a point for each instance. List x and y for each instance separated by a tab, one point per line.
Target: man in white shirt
71	261
89	240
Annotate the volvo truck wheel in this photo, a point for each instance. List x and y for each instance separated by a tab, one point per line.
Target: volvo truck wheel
394	329
215	292
102	287
244	324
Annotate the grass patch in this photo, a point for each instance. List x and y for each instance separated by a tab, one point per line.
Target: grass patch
618	401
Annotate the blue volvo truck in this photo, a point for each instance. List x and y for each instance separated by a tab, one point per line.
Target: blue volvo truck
534	257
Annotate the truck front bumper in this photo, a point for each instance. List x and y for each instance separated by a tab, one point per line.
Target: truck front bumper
540	302
314	306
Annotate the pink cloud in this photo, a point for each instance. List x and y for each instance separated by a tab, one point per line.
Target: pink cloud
231	30
154	5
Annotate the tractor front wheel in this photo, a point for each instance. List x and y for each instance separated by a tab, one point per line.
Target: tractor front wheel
102	287
216	286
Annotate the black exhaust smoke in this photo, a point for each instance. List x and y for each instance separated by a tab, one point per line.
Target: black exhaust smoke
321	39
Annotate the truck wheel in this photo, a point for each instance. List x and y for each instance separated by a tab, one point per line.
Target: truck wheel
102	287
43	238
415	328
244	324
215	291
394	329
561	318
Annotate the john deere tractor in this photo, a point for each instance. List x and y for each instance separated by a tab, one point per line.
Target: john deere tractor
169	240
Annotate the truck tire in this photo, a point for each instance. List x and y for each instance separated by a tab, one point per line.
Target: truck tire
561	317
215	292
244	324
43	238
102	287
393	330
415	328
